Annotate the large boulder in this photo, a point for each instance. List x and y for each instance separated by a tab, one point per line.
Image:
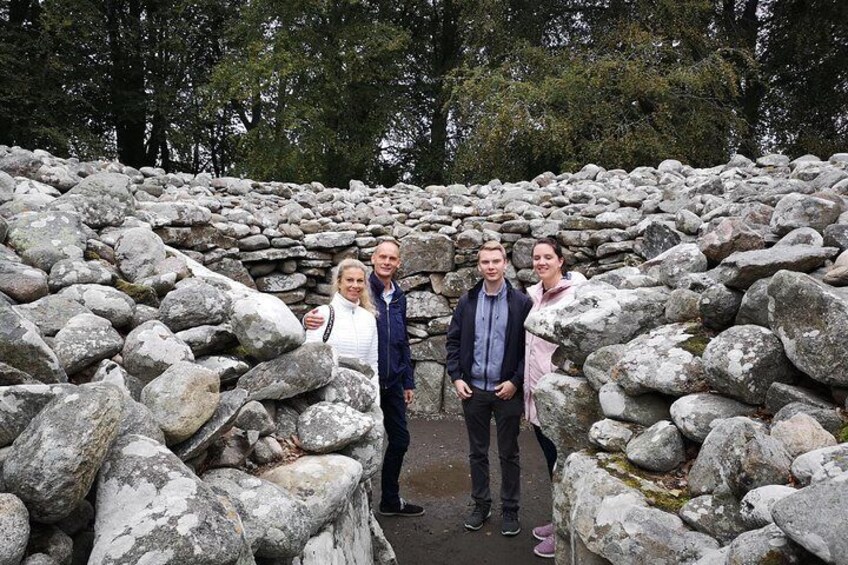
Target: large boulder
102	199
720	454
152	509
194	303
53	463
811	320
51	313
265	326
804	210
151	348
19	404
694	414
743	268
43	238
599	316
105	301
326	426
22	347
84	341
426	253
567	407
137	251
306	368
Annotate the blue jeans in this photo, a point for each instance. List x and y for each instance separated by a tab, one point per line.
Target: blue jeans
397	438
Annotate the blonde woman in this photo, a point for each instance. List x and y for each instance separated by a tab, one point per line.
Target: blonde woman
350	325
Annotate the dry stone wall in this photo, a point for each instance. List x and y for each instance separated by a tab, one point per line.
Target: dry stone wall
699	408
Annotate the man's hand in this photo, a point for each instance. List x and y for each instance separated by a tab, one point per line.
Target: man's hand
505	390
408	396
313	320
463	391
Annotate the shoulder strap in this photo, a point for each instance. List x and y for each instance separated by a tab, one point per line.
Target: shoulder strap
329	329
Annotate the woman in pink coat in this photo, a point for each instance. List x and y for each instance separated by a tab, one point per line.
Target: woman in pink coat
553	287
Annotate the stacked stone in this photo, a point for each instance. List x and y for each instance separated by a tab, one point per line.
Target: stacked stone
700	414
154	411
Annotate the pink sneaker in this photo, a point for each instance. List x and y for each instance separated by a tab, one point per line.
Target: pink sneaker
542	533
547	548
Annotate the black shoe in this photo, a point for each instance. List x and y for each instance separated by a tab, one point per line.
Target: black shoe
478	517
510	525
404	509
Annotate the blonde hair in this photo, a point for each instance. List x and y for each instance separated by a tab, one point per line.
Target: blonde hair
365	298
492	245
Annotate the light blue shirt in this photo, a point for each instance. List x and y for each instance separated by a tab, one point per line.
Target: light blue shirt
489	338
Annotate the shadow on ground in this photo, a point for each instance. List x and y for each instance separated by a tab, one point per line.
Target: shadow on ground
435	475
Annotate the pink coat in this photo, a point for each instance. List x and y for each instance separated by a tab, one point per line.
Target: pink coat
537	351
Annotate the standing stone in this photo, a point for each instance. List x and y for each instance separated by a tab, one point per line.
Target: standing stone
152	509
22	347
50	469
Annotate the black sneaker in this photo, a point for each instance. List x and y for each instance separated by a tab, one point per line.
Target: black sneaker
405	509
510	525
477	517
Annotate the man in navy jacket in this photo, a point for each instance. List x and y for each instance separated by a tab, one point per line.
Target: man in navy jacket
394	363
485	361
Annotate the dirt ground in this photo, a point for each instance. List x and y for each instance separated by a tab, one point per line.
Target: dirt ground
435	475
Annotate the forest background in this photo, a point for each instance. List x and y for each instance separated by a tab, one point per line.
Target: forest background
422	91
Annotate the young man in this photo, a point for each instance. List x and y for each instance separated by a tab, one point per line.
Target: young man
485	361
395	372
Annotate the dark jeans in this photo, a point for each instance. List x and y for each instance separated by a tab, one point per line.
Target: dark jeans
478	412
548	449
397	438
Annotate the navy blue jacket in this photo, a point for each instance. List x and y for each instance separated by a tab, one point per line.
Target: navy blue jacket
394	360
460	339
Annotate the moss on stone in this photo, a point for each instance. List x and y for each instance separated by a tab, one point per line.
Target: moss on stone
842	436
696	344
656	494
140	293
91	256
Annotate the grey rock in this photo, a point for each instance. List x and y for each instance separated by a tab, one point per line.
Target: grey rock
265	326
431	349
49	544
802	210
611	435
368	450
645	409
22	347
429	383
694	414
111	373
682	306
19	404
52	470
670	266
426	253
193	305
137	251
285	421
836	235
687	222
306	368
105	301
279	282
812	330
458	281
151	348
43	238
756	506
321	482
228	367
329	240
150	506
229	404
598	316
102	199
599	364
326	427
821	464
719	306
659	448
813	517
665	360
658	238
768	544
85	340
208	340
720	453
566	407
763	461
802	236
754	307
349	387
743	268
22	283
14	529
421	304
743	361
182	399
781	394
68	272
254	416
276	523
717	515
136	419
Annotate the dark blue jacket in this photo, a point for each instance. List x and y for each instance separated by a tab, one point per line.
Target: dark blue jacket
460	338
394	360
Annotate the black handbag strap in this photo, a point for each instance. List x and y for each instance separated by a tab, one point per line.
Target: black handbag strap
329	329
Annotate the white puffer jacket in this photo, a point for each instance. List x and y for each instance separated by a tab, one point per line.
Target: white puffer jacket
354	332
